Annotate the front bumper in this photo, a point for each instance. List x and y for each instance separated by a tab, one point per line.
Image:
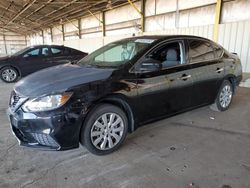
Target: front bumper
51	131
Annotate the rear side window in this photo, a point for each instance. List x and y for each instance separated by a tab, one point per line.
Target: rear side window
61	51
200	51
45	52
56	51
218	51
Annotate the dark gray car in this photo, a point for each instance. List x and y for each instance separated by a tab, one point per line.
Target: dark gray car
32	59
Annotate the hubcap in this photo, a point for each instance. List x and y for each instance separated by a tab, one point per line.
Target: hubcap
226	96
9	75
107	131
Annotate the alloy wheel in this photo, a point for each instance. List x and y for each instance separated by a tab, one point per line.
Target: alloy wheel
225	96
9	75
107	131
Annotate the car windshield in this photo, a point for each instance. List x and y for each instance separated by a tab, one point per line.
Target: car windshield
21	51
116	53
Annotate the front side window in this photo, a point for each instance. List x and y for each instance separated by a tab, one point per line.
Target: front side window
116	53
200	51
169	55
32	53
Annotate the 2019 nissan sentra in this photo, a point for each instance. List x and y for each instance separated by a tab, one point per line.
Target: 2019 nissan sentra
119	87
34	58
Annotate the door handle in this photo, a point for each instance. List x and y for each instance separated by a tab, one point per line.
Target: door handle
219	70
185	77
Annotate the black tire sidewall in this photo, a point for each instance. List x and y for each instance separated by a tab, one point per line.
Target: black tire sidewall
92	117
225	82
3	69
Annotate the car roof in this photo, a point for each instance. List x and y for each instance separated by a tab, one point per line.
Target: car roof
47	45
166	37
157	38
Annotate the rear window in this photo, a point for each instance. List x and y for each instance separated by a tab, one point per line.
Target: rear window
200	51
73	51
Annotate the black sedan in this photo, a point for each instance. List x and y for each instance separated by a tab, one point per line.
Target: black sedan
119	87
32	59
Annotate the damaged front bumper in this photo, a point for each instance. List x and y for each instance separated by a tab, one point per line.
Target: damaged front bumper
51	131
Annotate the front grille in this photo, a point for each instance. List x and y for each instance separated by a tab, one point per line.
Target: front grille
24	137
19	134
44	139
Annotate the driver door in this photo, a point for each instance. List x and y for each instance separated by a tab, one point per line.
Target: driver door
168	90
32	61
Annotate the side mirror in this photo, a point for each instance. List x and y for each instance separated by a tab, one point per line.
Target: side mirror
150	65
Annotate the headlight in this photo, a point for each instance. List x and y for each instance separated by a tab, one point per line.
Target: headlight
45	103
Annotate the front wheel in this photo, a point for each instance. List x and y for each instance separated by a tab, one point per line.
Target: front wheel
9	74
224	97
105	129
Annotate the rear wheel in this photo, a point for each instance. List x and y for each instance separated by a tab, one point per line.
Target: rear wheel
224	97
105	129
9	74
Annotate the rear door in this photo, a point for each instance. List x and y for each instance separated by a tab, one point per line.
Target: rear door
208	70
167	91
59	56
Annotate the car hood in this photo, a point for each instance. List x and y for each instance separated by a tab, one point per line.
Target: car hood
5	58
59	79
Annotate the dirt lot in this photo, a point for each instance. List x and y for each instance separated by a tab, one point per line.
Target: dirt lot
200	148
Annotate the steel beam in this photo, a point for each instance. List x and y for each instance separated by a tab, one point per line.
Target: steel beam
51	34
63	32
54	11
143	2
177	14
38	9
102	21
5	46
25	40
217	19
26	6
43	36
69	21
67	13
103	24
141	12
79	28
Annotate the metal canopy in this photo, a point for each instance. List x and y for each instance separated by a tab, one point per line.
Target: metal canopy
29	16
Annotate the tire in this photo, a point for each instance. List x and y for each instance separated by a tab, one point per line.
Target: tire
100	140
9	74
224	97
